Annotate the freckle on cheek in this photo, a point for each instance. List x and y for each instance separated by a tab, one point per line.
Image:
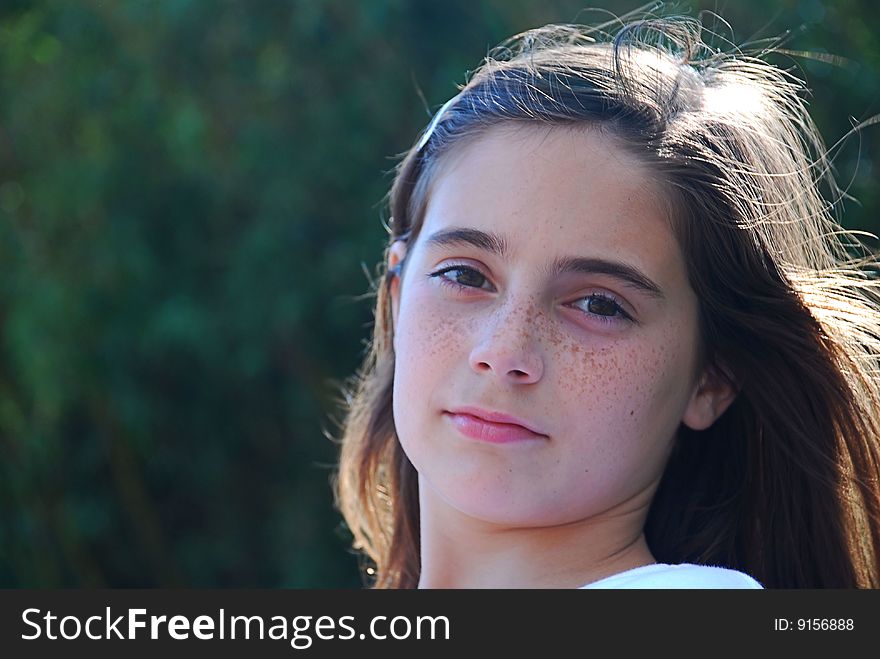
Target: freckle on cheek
446	335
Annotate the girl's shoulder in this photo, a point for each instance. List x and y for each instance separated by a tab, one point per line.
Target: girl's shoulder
683	575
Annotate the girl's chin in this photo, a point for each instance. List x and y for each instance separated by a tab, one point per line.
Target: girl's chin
499	510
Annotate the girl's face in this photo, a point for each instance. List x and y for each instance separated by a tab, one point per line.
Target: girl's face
545	284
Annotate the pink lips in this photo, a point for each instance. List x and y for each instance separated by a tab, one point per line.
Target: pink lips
492	427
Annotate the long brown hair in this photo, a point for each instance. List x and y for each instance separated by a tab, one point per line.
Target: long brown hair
784	486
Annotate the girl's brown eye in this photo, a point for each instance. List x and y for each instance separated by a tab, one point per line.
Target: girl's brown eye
602	306
469	277
460	276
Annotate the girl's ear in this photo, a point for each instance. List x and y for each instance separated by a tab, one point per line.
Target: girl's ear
711	397
396	254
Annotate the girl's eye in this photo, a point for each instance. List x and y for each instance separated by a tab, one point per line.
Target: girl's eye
462	277
604	308
601	306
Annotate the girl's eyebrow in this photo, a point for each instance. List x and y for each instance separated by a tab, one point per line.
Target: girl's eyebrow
496	244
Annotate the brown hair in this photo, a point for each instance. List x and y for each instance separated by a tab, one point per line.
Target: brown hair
784	486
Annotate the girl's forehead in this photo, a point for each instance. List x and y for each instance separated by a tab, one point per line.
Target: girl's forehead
533	145
553	189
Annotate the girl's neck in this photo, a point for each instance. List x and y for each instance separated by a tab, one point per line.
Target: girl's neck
458	551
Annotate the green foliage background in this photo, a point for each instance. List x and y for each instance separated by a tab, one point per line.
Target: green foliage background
190	194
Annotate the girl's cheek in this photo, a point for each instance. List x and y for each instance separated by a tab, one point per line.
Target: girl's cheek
433	326
623	386
659	382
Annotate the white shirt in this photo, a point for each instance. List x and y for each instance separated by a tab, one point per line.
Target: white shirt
684	575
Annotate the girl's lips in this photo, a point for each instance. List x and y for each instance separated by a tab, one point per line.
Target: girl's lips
490	431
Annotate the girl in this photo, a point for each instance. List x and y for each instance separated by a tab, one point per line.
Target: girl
619	338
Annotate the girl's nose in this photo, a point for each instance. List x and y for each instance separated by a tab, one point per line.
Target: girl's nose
509	349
